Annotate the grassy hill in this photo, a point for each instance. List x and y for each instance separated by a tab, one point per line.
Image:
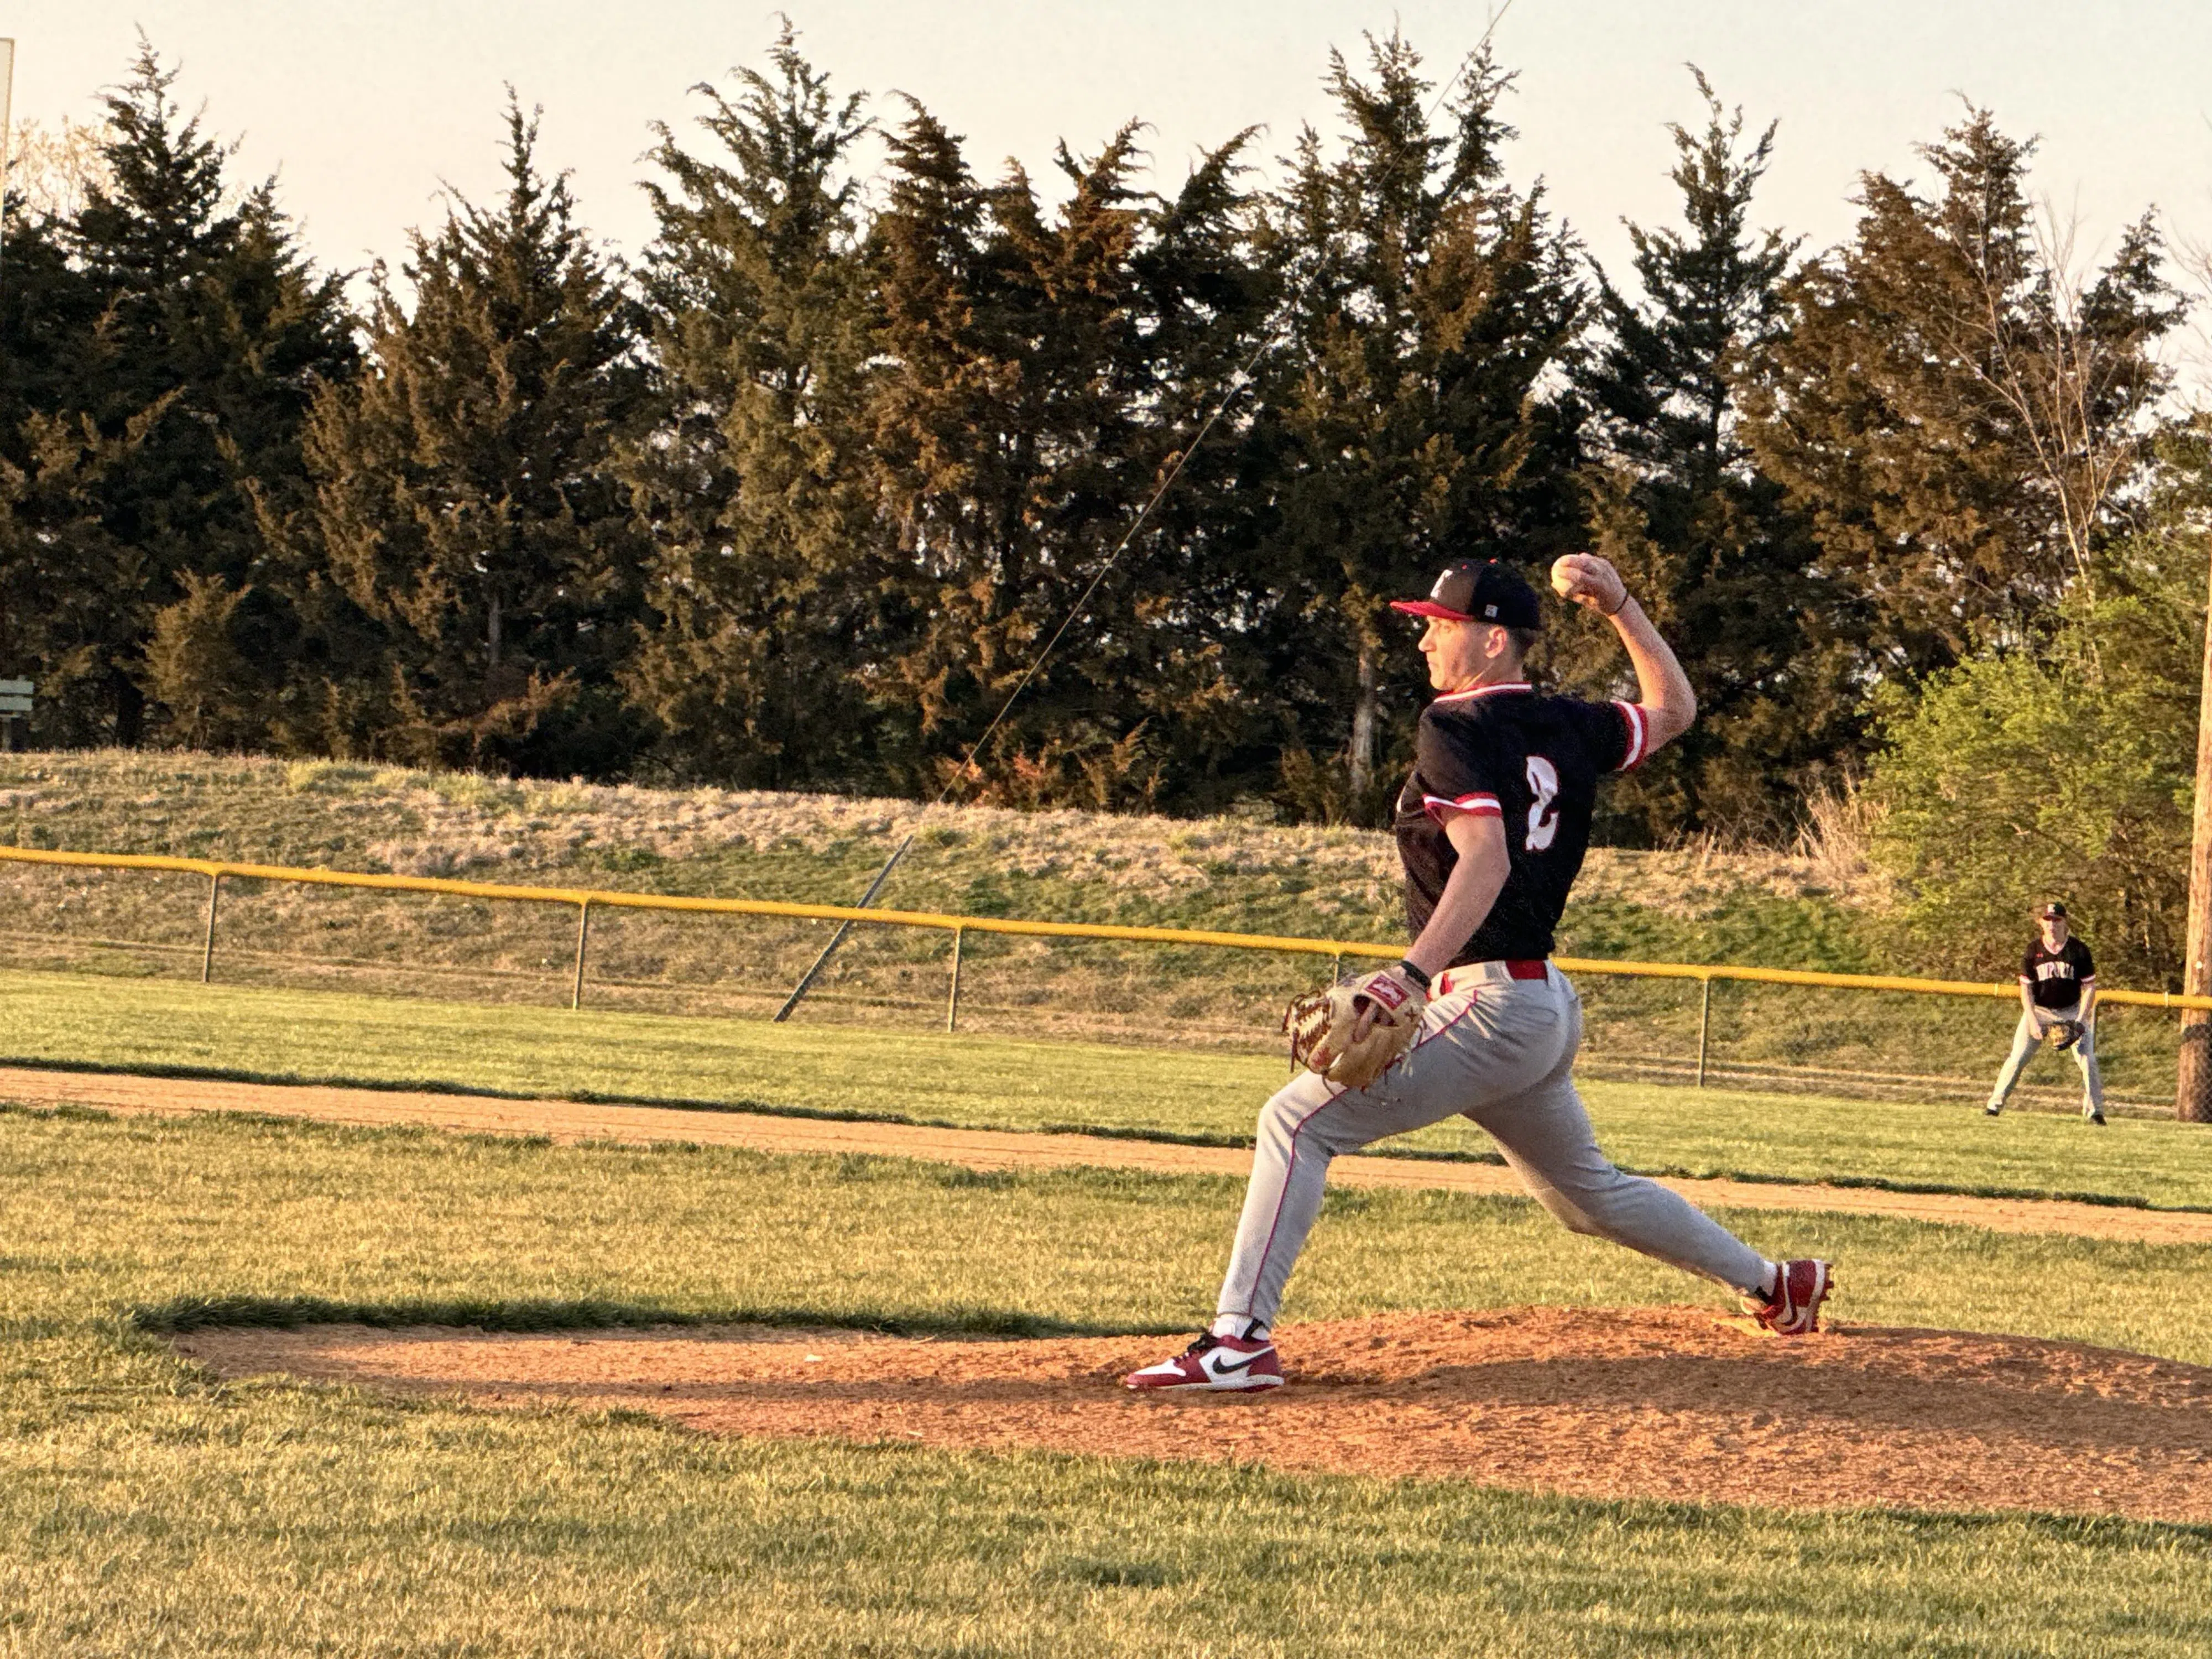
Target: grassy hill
1695	905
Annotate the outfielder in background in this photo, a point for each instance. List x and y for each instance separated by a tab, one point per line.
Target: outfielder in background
1491	828
2057	1004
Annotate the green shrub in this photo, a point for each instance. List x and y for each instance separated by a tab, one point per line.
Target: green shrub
2063	769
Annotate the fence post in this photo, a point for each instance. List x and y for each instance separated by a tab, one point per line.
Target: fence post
952	998
1704	1024
207	944
583	933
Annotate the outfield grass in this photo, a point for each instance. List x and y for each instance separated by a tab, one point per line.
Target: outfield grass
999	1083
1238	874
144	1509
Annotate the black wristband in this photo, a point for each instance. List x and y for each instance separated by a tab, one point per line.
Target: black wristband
1407	967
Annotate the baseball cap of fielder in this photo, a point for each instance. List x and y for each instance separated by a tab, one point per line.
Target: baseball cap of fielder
1479	590
2053	911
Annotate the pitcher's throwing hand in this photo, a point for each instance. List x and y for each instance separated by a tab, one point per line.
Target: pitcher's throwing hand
1585	580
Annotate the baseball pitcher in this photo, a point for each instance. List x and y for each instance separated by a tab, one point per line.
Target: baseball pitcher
1492	827
2058	1005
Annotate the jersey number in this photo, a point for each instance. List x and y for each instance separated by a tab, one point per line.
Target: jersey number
1543	817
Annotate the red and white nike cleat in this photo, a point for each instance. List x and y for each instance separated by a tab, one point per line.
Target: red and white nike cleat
1221	1364
1794	1310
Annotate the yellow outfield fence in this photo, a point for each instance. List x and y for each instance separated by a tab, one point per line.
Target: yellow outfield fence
217	870
587	899
584	901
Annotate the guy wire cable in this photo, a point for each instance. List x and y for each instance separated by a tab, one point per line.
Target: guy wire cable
1273	337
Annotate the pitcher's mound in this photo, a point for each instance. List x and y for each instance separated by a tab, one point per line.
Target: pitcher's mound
1676	1403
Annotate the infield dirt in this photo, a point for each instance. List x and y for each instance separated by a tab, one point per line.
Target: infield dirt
1677	1404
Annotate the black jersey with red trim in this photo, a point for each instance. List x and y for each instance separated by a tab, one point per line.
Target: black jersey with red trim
1507	752
2055	979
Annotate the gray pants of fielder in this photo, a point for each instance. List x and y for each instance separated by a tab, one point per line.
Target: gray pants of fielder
2029	1036
1501	1052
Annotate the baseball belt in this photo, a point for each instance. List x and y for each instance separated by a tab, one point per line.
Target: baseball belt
1470	973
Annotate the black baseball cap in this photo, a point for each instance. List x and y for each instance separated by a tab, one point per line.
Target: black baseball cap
1479	590
2053	911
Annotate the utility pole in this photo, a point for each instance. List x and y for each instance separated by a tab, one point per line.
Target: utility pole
2192	1102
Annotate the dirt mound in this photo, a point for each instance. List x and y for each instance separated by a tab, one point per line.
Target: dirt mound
1674	1403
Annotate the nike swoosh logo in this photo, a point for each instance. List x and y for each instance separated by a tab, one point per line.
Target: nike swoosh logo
1223	1368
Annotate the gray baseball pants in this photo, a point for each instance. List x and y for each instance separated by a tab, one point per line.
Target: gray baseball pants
2027	1037
1501	1052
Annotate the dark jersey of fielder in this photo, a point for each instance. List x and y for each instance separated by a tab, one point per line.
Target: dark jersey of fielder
1506	751
2056	979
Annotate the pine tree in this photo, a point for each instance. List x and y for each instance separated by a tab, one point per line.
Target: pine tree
751	481
60	568
1045	371
1432	304
464	494
48	312
1955	413
53	546
213	334
1203	683
215	697
161	341
1728	572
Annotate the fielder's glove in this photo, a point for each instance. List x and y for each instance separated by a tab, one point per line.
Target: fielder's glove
2065	1033
1325	1029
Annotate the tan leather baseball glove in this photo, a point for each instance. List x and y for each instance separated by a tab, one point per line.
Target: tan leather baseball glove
1352	1033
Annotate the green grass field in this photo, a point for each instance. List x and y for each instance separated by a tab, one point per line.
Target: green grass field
1001	1083
144	1509
1239	874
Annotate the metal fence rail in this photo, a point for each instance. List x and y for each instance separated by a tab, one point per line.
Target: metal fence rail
216	872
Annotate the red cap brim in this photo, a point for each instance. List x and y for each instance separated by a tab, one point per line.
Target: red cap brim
1429	607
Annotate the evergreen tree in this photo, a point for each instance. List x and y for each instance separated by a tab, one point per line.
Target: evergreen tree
465	495
160	344
213	332
60	566
1956	415
48	312
1044	371
215	698
1411	423
929	427
1726	571
54	548
1204	599
762	587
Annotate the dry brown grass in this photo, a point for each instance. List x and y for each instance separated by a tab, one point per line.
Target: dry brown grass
408	823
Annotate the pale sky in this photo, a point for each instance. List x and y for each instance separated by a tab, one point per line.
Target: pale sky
365	108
